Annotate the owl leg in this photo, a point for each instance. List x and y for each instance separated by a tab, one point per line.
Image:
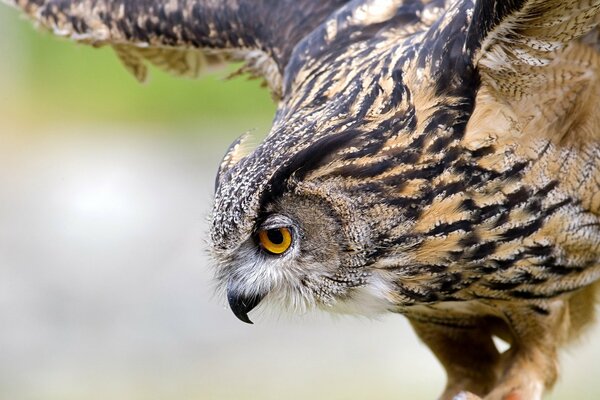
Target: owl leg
530	366
467	353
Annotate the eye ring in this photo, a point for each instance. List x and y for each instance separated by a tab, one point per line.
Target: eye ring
275	241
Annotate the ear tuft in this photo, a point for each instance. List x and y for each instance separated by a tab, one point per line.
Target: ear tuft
235	152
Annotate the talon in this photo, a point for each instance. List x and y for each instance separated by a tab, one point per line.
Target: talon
466	396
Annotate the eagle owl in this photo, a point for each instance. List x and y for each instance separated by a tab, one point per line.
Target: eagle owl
434	158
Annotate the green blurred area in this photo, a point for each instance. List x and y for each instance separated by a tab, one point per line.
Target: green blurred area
47	79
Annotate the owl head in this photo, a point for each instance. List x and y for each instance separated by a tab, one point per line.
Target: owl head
281	233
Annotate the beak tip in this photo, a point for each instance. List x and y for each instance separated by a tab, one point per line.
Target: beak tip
242	305
241	314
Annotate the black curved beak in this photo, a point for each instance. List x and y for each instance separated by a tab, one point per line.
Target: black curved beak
241	305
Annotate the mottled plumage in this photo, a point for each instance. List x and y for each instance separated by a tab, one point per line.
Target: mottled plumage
439	159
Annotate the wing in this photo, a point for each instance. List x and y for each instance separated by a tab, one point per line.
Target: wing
512	39
185	36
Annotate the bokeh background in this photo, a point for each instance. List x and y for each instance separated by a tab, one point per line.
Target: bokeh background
105	287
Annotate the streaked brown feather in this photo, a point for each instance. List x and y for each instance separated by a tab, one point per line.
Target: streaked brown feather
442	159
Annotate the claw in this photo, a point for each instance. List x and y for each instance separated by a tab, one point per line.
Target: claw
467	396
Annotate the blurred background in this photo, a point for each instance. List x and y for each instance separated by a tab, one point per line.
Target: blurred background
105	287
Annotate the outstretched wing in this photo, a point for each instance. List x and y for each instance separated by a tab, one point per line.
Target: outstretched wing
511	38
185	36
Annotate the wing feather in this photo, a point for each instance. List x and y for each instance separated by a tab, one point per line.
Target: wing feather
187	63
186	36
512	40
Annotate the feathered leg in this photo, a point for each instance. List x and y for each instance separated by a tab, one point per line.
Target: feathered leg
530	366
467	353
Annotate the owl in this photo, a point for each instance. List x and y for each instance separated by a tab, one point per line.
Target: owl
433	158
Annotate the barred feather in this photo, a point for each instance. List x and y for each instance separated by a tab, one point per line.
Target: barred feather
435	158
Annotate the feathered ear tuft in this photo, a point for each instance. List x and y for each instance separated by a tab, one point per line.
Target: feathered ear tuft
237	150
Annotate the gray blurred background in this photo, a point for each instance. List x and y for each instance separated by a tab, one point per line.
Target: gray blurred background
105	287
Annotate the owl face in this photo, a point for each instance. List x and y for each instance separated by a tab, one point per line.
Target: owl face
304	250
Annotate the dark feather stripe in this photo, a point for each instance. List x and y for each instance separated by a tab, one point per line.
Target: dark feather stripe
305	161
487	15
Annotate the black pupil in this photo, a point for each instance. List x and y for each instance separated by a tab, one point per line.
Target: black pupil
275	236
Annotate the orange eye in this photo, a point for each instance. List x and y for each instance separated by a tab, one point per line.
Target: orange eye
275	241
